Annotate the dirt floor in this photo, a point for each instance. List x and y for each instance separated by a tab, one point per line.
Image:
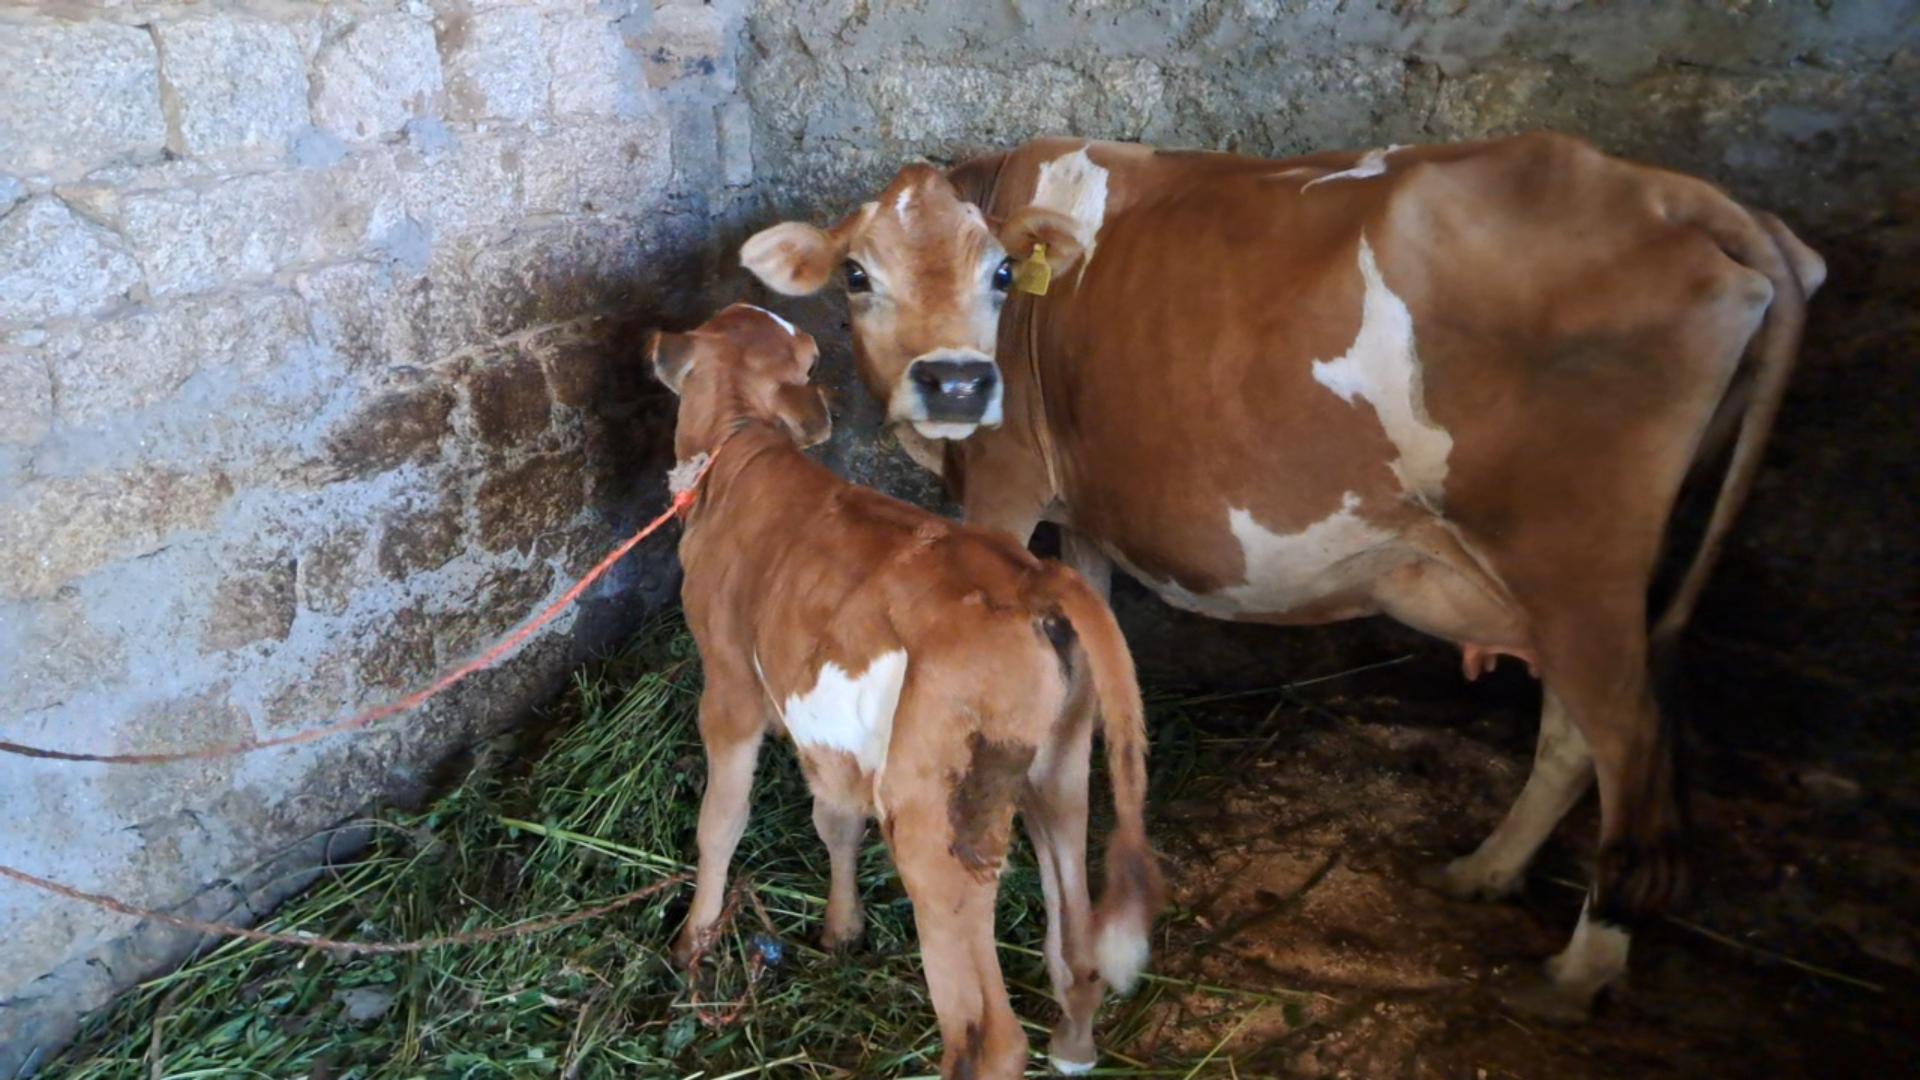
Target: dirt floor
1293	871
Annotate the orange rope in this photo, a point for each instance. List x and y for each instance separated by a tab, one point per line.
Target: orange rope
681	502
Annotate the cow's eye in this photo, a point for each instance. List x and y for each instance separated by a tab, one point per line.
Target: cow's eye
1003	275
857	278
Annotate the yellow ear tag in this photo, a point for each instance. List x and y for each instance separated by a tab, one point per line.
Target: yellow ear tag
1033	275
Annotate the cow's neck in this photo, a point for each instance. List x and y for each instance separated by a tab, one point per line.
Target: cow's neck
1008	477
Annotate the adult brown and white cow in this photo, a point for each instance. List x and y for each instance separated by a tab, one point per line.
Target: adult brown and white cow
1460	385
935	677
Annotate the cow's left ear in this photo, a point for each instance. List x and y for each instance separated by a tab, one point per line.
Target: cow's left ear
672	356
1039	225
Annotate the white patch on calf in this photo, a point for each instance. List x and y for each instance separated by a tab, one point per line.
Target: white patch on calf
784	324
1382	367
851	712
1286	571
902	202
1073	185
1371	163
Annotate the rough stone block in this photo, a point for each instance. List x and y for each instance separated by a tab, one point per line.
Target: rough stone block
104	370
424	538
26	398
54	650
371	315
395	428
691	40
499	601
618	169
507	399
598	365
496	64
255	603
374	77
78	94
594	72
400	651
465	187
189	240
537	496
55	530
234	83
328	573
55	264
733	123
358	204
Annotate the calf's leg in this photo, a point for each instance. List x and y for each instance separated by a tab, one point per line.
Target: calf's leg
953	915
841	829
1055	816
731	727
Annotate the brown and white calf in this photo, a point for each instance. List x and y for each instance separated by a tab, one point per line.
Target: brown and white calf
936	678
1460	385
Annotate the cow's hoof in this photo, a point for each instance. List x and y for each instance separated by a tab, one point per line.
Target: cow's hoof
1069	1067
1534	995
1461	880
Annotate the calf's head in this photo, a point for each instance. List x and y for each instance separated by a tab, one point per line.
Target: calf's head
926	274
742	365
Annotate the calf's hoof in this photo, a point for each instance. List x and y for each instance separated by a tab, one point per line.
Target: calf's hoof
1462	880
840	934
1070	1067
1071	1051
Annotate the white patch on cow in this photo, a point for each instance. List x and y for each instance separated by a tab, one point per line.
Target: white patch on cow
1593	958
850	712
1073	185
930	429
902	202
1382	367
1371	163
783	324
1286	571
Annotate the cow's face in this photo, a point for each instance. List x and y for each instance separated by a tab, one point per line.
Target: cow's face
925	276
743	364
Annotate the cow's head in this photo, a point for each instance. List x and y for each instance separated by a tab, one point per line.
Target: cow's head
743	364
926	274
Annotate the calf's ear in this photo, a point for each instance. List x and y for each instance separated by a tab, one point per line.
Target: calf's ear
792	258
672	356
802	409
1039	225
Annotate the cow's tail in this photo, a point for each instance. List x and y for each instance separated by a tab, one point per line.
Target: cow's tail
1763	243
1133	891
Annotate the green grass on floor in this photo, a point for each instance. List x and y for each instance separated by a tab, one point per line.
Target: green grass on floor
607	807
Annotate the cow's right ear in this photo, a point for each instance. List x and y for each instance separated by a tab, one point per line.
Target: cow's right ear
1040	225
672	356
793	259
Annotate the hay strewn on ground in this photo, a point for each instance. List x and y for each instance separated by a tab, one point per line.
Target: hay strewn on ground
608	807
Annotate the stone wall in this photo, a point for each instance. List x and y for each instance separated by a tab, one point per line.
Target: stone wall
319	369
318	329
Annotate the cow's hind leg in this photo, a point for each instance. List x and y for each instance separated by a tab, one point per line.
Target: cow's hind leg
1597	668
1562	771
1056	821
841	829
